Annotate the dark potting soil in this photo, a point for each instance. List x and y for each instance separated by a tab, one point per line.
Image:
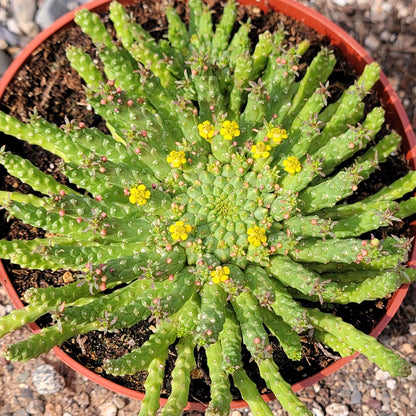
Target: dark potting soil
48	84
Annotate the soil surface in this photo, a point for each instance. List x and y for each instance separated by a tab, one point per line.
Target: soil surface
359	389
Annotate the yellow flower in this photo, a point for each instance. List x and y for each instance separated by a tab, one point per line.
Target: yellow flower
206	130
256	236
176	159
139	195
292	165
260	149
229	130
179	231
277	135
220	274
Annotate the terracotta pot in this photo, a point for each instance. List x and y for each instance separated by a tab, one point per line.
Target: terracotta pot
356	56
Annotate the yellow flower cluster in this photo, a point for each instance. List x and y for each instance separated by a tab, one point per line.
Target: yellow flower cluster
220	274
206	130
139	195
256	236
261	149
229	130
179	231
276	134
292	165
176	159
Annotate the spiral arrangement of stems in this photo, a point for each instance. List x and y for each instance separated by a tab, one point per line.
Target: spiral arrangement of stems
213	208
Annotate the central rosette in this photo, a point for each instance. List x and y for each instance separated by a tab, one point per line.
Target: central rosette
225	208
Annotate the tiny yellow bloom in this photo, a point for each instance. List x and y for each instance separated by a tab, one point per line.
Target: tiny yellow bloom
176	159
277	135
292	165
179	231
256	236
206	130
260	149
139	194
229	130
220	274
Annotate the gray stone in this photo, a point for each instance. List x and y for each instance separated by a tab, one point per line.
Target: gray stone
21	412
24	13
355	397
46	380
119	402
5	61
8	36
26	393
36	407
49	11
23	377
13	26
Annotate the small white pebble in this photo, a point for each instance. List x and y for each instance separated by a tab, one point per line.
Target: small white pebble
412	329
391	384
381	375
337	409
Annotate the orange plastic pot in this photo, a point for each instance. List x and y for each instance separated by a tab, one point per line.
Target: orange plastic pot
356	56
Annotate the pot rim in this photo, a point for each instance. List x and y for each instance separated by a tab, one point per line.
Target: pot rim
356	56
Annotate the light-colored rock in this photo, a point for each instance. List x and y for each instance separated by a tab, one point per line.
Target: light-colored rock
372	42
391	384
412	329
108	409
24	13
381	375
46	380
49	11
36	407
337	409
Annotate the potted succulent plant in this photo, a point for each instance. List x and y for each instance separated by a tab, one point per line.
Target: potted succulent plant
213	207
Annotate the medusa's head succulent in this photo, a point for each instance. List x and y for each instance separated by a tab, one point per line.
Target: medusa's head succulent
212	207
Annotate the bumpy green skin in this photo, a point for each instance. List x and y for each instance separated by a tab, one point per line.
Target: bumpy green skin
213	207
156	370
281	389
367	345
220	384
181	378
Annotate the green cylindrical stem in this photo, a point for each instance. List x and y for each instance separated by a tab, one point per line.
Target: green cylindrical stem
250	394
153	384
288	338
19	317
82	62
221	397
230	338
282	389
185	363
140	358
255	337
212	315
224	27
386	359
44	341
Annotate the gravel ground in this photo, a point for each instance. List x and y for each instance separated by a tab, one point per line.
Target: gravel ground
387	29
